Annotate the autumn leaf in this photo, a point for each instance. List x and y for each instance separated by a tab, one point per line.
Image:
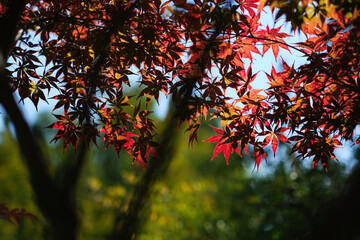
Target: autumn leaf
15	214
221	146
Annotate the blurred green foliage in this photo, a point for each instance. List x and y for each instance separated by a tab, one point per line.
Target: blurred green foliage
197	199
15	190
203	200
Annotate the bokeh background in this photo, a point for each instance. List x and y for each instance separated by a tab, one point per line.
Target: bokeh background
194	199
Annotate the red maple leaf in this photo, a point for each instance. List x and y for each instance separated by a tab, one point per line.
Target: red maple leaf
222	145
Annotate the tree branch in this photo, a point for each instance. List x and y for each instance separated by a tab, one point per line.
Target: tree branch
39	173
73	169
57	207
126	224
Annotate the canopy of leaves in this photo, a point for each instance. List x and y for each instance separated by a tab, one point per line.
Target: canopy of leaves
86	52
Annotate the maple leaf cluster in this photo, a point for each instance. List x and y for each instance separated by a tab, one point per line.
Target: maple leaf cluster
85	53
15	214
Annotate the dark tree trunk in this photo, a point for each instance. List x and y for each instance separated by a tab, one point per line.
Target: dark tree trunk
126	224
56	200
